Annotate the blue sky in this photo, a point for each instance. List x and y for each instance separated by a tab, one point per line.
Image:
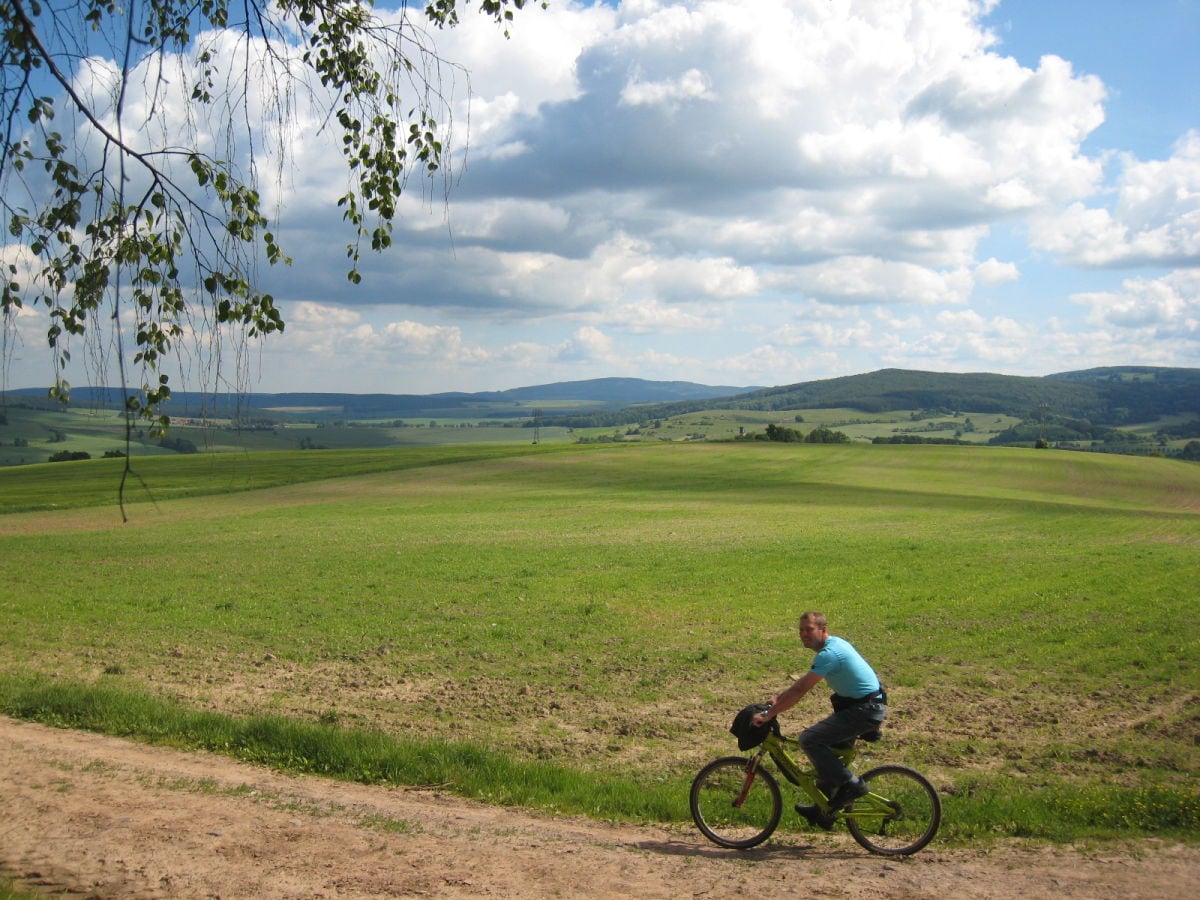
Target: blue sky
1144	52
762	192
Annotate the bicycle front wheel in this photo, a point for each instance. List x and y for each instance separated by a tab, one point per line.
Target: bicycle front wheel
733	807
899	816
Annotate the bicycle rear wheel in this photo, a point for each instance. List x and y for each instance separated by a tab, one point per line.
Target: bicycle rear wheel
899	816
715	796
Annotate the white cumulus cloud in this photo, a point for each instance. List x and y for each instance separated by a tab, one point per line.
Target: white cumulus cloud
1154	220
764	187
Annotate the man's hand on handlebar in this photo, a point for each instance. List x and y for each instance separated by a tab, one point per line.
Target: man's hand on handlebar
760	719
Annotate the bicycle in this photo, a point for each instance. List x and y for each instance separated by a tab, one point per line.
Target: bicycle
736	802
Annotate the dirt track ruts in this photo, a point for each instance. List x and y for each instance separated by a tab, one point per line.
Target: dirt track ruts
94	816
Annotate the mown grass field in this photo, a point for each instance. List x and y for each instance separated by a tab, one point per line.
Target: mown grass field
606	610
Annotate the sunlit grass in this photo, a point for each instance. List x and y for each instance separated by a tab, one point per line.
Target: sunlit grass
607	609
367	757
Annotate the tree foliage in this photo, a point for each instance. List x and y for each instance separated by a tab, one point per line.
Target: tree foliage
132	165
787	435
782	433
1106	396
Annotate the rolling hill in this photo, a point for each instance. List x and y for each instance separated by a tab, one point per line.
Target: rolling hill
1106	396
1109	396
1128	409
573	396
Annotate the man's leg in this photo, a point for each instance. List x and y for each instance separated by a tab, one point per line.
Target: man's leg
817	741
837	782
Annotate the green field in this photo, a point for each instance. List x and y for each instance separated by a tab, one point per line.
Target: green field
30	436
728	424
606	609
34	435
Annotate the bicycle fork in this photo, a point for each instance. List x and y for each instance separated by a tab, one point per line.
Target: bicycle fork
748	782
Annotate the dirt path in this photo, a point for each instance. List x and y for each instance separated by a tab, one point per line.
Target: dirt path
93	816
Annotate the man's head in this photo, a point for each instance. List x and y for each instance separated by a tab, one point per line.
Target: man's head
813	630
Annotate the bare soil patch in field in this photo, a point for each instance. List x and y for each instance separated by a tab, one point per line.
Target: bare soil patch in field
94	816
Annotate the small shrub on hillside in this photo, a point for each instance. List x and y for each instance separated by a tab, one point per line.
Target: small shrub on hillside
69	456
179	445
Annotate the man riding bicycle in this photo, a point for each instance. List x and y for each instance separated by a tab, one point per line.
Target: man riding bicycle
859	703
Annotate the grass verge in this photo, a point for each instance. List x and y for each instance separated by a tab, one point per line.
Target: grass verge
9	891
367	757
976	809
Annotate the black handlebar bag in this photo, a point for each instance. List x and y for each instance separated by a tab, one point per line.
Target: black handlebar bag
747	733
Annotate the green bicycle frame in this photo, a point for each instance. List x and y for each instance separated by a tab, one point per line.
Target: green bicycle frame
736	801
779	749
871	809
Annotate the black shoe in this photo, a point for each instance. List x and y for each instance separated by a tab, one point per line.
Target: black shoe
815	817
848	793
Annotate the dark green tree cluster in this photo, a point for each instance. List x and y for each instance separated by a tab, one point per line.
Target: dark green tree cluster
915	439
1060	429
784	434
179	445
1188	429
787	435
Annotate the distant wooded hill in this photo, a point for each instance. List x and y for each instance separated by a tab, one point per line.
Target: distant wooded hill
1112	396
598	394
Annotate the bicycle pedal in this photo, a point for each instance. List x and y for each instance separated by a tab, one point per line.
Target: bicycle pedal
845	795
815	818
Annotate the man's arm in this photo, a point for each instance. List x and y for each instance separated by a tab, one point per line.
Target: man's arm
789	698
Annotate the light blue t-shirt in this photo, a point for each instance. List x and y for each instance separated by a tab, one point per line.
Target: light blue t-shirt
844	668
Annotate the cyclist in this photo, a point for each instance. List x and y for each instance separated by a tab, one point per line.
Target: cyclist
859	704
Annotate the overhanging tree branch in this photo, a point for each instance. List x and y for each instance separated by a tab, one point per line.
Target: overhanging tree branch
187	246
